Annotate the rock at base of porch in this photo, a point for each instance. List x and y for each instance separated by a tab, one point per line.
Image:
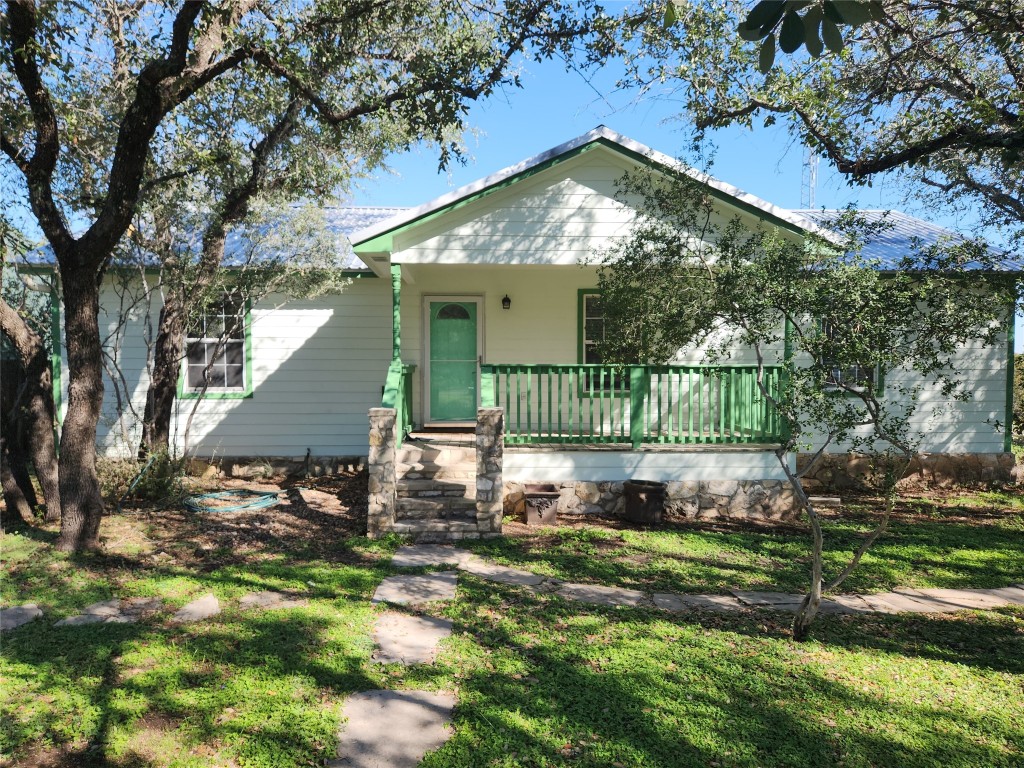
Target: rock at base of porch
258	467
695	499
840	472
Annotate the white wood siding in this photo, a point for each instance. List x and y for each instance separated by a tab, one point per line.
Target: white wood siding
318	365
944	424
616	466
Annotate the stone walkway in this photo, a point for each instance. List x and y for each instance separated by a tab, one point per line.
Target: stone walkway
896	601
133	609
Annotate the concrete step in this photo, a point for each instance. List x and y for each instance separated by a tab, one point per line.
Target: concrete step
439	531
412	526
417	453
431	488
411	508
457	472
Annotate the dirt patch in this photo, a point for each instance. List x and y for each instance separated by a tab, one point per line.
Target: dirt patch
312	517
46	757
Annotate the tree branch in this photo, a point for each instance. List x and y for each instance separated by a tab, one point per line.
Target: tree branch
39	168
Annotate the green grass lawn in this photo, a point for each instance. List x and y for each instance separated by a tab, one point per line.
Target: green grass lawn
974	540
540	681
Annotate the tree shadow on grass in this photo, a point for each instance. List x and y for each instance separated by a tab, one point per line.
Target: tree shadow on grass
265	685
694	558
601	687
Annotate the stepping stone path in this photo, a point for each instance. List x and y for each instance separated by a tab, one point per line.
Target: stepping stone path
677	603
393	729
11	618
598	595
423	555
414	590
271	601
132	609
114	611
403	639
500	573
205	607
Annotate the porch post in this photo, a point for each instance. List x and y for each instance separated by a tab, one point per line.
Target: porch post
787	358
396	311
638	392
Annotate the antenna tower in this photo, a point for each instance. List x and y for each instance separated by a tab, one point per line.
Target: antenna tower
810	178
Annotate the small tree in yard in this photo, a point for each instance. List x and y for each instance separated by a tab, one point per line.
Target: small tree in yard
687	275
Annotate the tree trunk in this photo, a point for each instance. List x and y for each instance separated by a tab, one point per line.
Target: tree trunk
812	600
79	485
163	384
19	496
40	413
32	410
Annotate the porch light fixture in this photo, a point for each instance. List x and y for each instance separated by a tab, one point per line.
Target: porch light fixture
506	303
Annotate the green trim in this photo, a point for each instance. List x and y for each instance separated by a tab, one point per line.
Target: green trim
702	404
1008	426
56	363
581	321
397	394
243	394
385	241
396	311
638	392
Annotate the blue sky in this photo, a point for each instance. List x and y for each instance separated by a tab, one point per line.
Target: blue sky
555	105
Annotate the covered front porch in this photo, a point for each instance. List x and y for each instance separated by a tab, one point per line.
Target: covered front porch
521	338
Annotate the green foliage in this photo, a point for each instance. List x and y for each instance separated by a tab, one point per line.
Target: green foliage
158	479
820	23
926	89
688	276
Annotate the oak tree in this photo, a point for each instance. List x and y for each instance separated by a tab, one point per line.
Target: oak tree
89	92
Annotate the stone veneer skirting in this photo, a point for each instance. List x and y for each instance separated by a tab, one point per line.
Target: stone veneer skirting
838	472
695	499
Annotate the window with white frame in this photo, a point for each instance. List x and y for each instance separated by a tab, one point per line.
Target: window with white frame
593	328
848	376
215	348
592	331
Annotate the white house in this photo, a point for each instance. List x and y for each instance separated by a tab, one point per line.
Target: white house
478	299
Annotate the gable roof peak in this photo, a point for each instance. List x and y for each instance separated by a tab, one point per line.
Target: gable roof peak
602	134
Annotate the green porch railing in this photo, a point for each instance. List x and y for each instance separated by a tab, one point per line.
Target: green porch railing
638	404
398	395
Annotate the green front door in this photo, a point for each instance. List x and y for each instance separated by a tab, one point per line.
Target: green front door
453	359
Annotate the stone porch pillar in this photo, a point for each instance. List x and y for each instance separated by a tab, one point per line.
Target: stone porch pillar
490	444
383	496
